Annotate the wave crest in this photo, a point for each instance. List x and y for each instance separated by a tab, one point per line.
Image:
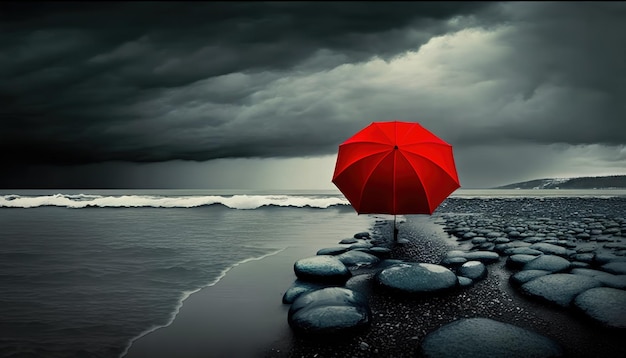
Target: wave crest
77	201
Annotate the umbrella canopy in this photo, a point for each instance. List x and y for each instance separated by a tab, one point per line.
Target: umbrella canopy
395	168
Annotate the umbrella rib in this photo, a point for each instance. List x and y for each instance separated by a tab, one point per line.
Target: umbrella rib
421	181
425	142
407	133
393	189
393	172
363	158
377	126
369	175
428	159
383	148
424	157
364	142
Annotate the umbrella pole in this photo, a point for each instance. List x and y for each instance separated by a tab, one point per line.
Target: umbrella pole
395	230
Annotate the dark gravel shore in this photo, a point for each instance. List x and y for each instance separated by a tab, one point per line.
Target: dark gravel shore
399	324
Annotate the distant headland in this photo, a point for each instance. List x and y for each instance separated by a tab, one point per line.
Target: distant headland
601	182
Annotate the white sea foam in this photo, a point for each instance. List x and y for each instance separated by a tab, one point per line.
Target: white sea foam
77	201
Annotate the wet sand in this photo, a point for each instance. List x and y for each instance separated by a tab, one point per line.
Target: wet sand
237	317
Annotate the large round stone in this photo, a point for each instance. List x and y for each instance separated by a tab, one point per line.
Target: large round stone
606	306
332	251
355	258
522	277
560	288
417	278
518	261
322	268
551	249
482	337
475	270
465	282
486	257
350	240
502	245
300	287
453	261
550	263
602	258
522	251
618	268
333	310
614	281
362	283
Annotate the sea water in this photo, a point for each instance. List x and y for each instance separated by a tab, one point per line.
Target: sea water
85	273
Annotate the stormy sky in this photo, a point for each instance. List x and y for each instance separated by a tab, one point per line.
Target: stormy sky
259	95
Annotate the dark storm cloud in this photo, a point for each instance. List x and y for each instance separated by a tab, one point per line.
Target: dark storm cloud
74	76
570	64
149	82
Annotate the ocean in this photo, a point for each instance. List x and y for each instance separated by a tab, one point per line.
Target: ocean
84	273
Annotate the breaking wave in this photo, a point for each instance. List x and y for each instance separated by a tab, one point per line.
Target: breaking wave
77	201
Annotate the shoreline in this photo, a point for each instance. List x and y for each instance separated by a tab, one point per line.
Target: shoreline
399	324
188	294
223	320
247	301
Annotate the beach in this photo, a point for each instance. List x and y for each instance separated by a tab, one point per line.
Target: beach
312	179
399	323
171	274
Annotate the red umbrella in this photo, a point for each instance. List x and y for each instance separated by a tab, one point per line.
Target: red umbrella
395	168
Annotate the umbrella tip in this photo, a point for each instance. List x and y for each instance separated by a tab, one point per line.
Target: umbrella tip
395	147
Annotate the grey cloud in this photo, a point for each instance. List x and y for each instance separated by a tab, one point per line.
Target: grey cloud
571	67
247	80
484	166
82	83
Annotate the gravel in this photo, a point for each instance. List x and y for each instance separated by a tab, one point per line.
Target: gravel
399	323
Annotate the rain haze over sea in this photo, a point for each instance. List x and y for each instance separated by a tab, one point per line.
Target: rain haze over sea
85	273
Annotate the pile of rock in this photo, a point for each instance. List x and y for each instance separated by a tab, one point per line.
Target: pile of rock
573	264
319	303
322	304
